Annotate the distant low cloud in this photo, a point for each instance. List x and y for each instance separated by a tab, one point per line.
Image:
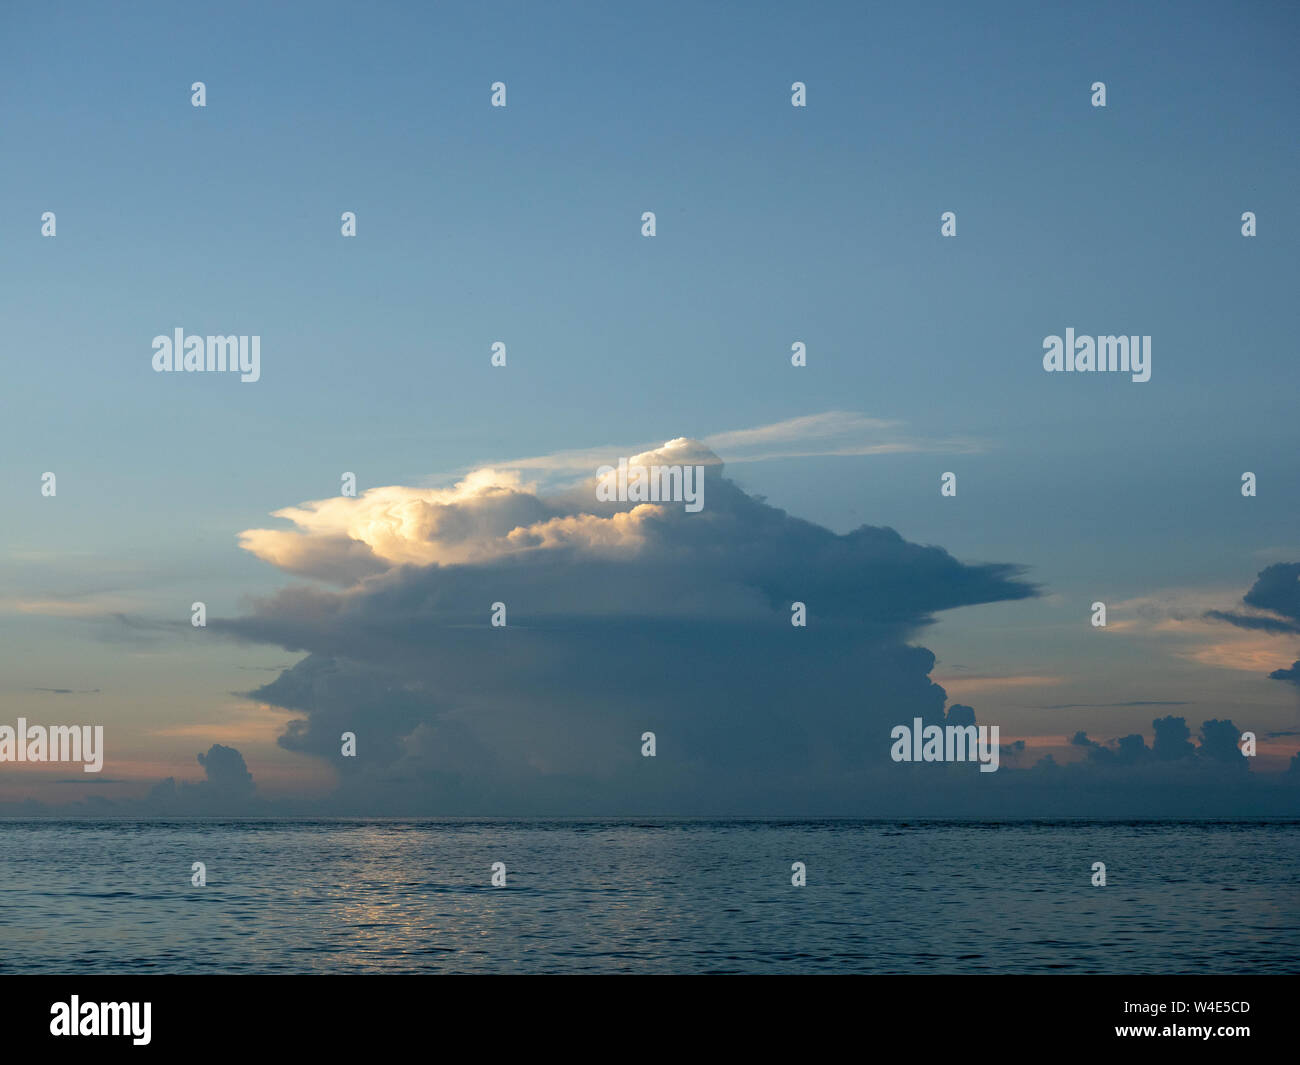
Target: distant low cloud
1218	741
227	788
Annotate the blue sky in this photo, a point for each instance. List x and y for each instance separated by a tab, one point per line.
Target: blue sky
775	224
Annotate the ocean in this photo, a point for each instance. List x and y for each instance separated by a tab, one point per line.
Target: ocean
648	896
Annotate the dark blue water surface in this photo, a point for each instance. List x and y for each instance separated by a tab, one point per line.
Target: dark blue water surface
653	896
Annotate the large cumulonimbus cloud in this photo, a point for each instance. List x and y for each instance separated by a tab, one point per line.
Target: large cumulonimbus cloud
621	618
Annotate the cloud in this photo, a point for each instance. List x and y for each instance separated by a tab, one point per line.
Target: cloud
62	608
1102	706
1219	740
236	723
621	618
1292	674
1189	623
68	691
627	618
1275	599
834	433
1219	743
227	788
345	539
971	683
226	771
828	434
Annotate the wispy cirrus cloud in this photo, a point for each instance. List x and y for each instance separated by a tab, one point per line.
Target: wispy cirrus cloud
828	434
959	685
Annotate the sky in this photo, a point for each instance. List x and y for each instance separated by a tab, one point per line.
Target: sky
774	225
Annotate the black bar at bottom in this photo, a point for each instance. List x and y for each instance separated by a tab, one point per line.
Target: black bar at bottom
338	1014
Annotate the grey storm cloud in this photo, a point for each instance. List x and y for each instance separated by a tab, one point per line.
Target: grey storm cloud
621	619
